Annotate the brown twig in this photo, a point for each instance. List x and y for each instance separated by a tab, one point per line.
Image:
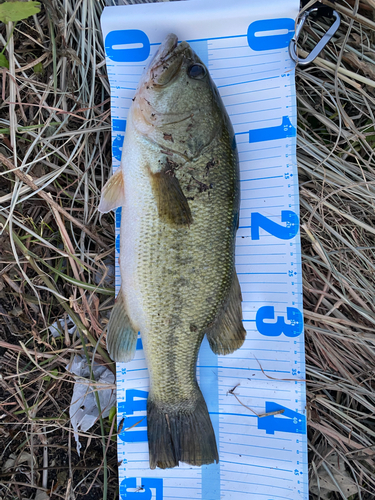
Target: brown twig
259	415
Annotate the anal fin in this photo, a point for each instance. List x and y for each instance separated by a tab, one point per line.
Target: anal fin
121	335
227	333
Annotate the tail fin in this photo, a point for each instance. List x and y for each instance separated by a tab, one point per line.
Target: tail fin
182	434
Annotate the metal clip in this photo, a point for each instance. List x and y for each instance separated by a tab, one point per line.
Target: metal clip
321	44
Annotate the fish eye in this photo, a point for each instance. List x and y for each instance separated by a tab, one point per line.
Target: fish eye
197	71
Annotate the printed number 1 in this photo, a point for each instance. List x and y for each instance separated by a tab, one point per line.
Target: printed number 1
282	232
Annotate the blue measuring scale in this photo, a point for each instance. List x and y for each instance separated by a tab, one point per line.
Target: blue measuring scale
255	396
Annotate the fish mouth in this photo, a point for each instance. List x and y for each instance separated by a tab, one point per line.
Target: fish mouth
163	69
168	60
166	48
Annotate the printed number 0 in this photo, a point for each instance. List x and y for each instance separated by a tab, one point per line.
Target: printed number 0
275	329
271	41
282	232
127	46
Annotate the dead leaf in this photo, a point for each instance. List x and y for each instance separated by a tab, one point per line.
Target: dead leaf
342	477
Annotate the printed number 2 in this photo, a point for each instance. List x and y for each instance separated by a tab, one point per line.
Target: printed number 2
282	232
277	328
149	489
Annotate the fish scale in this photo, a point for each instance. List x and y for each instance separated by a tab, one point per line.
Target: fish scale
209	247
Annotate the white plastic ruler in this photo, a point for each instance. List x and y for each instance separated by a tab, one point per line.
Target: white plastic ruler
244	43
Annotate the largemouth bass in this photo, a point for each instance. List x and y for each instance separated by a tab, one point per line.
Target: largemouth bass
178	188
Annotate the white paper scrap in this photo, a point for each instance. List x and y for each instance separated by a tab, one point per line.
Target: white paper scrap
83	410
58	327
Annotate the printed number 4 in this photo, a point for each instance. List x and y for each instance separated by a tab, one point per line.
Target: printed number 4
286	232
277	328
150	489
136	401
289	421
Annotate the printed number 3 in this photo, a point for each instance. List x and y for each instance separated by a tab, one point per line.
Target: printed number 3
277	328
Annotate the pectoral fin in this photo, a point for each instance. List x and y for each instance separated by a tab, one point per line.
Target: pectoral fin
171	201
227	333
113	193
121	335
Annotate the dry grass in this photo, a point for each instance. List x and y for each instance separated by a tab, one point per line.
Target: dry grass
53	247
336	158
55	154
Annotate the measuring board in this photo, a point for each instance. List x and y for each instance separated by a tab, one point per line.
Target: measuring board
244	44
